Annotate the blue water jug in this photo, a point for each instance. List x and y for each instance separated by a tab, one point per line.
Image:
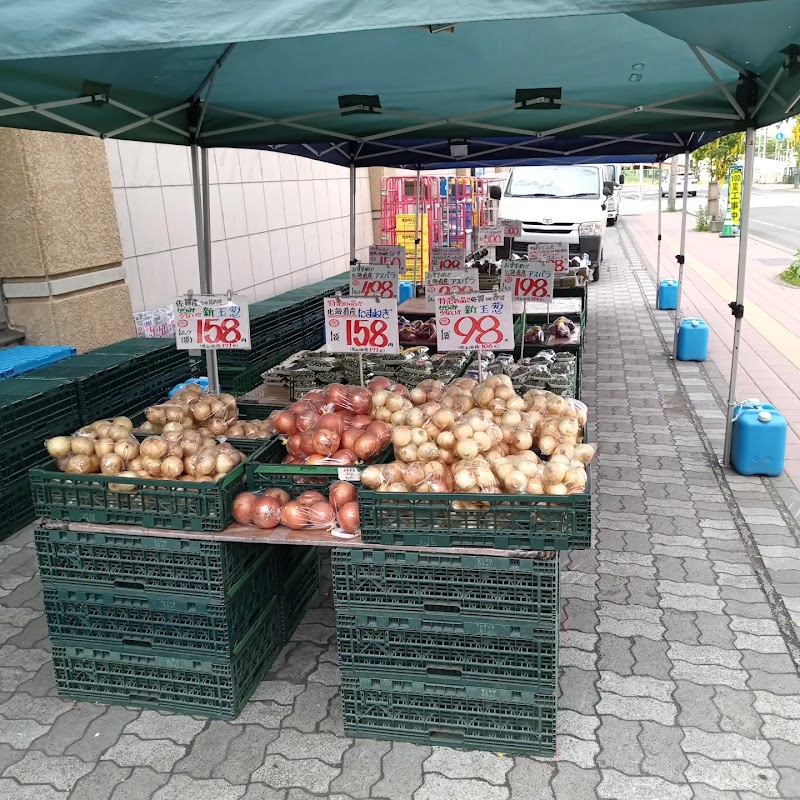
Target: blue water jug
692	340
758	439
406	291
667	298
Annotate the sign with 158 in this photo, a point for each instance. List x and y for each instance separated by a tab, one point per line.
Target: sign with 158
373	280
555	252
361	325
390	255
448	258
529	280
212	322
475	322
450	281
491	236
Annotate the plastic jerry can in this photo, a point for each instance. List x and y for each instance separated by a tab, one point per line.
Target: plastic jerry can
667	298
692	340
758	439
406	291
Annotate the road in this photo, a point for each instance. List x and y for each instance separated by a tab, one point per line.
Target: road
775	211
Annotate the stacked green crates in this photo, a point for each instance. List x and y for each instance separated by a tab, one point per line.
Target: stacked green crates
180	625
448	649
279	327
30	412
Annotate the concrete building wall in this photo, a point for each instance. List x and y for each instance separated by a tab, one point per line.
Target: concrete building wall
277	221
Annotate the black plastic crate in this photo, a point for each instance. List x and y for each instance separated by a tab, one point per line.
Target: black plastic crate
378	581
32	410
484	650
206	686
300	587
200	626
507	522
108	561
475	717
16	507
153	503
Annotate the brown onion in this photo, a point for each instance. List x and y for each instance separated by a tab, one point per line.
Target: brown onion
331	422
382	431
367	447
360	400
266	512
349	437
316	397
307	443
316	459
281	495
326	442
337	394
343	458
294	516
381	382
307	419
360	421
294	459
320	515
342	493
349	517
293	443
310	497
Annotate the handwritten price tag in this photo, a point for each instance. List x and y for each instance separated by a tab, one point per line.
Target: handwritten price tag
491	236
212	322
390	255
373	280
529	280
511	227
555	252
475	322
450	281
361	325
448	258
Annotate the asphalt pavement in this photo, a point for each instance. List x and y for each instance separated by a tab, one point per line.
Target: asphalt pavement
775	210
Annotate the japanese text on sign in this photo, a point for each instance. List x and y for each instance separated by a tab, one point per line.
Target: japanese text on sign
212	322
511	227
361	325
475	322
447	258
450	281
529	280
373	280
390	255
555	252
491	236
155	324
735	195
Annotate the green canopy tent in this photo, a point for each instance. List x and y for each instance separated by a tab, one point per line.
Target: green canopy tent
373	81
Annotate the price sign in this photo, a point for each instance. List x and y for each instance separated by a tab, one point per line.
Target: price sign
450	281
511	227
475	322
555	252
491	236
448	258
212	322
373	280
529	280
361	325
390	255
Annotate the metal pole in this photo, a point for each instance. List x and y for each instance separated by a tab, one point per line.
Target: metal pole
641	180
201	218
738	306
353	248
681	257
658	251
417	252
524	328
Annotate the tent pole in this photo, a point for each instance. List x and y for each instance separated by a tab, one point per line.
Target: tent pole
658	250
200	192
681	257
738	306
417	253
352	213
205	275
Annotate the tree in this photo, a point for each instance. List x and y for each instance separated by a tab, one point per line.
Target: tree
721	154
794	145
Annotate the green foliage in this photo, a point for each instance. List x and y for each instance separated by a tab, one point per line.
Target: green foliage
721	154
794	137
792	273
702	218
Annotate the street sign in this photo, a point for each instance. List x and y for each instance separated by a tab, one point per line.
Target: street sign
374	280
448	258
735	195
555	252
529	280
475	322
450	281
212	322
361	325
779	137
391	255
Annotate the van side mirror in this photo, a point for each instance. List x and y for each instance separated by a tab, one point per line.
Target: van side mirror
495	192
621	178
608	188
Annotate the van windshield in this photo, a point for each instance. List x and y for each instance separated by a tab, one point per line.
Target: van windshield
553	182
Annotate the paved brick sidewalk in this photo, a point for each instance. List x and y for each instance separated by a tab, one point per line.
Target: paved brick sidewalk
677	679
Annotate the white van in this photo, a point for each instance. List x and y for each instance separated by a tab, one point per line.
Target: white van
558	204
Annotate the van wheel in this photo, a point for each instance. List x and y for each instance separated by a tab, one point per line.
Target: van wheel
611	222
596	275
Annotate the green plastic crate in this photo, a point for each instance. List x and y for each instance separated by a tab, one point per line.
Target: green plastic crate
509	522
139	345
154	503
382	581
141	618
300	587
475	717
430	646
16	506
32	410
216	687
17	458
108	561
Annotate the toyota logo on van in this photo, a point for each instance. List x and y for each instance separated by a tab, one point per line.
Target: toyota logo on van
547	221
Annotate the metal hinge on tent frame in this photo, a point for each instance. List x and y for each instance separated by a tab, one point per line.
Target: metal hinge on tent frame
737	309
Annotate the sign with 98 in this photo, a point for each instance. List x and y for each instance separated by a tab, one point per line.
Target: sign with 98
361	325
475	322
529	280
212	322
555	252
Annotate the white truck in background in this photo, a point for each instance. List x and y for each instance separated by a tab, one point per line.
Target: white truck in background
613	173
